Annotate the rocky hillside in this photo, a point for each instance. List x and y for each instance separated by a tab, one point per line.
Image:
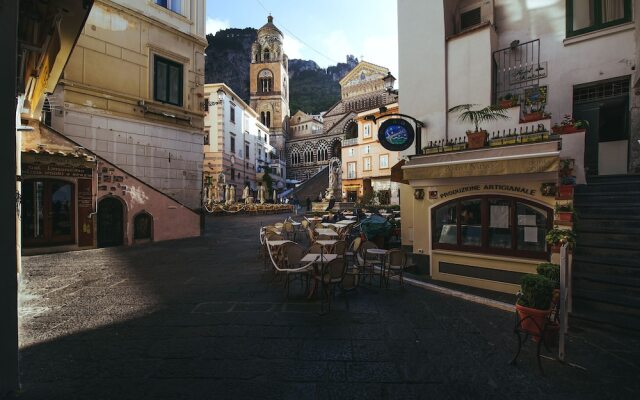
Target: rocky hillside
311	88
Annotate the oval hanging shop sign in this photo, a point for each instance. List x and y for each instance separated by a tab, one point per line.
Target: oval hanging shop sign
396	134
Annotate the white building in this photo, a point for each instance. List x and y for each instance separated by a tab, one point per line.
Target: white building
481	214
236	142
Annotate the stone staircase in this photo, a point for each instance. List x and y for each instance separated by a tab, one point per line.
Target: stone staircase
606	268
312	187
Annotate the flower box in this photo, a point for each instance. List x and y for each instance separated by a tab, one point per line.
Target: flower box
455	147
566	129
534	116
565	192
431	150
565	216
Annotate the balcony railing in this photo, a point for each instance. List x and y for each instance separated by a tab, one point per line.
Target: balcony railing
349	142
518	67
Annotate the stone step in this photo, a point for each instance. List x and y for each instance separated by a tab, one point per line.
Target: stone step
586	198
622	226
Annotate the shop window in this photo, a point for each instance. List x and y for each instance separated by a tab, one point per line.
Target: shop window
167	81
142	225
591	15
493	225
48	210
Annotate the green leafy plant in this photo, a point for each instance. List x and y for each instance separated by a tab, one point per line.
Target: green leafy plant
550	271
558	236
564	207
568	120
476	117
536	292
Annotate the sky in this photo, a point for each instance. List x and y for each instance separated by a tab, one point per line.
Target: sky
323	31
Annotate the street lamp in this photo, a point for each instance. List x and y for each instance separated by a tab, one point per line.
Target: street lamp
221	94
389	80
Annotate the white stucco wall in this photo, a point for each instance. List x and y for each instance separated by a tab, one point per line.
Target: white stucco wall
167	158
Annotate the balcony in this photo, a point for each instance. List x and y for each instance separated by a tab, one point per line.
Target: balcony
349	142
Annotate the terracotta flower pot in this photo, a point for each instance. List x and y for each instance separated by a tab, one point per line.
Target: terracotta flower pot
534	116
507	103
476	139
570	129
565	216
532	320
565	191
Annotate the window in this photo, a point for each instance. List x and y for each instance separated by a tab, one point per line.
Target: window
367	131
265	118
384	161
492	224
246	150
351	152
232	114
351	170
265	81
590	15
167	81
366	163
48	212
232	144
308	154
206	138
173	5
323	151
470	18
367	149
142	226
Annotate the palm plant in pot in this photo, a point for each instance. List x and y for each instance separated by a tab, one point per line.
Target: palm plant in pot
478	137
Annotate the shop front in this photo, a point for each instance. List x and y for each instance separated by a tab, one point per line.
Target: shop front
58	187
482	215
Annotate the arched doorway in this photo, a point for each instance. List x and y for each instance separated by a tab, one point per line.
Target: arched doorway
110	222
143	227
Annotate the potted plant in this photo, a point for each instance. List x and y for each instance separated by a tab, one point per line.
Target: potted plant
534	303
570	125
478	137
508	100
552	272
564	212
566	167
556	237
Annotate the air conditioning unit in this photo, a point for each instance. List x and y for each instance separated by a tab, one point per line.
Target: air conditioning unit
472	13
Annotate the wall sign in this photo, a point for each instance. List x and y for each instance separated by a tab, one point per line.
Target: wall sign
396	134
56	170
475	188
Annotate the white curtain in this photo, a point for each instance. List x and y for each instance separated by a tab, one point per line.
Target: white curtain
612	10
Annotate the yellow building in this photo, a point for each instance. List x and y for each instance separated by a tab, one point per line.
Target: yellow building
132	92
366	164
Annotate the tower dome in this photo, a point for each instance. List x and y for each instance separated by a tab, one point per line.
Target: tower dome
268	44
269	28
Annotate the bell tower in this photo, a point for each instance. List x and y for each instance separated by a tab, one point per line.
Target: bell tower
269	83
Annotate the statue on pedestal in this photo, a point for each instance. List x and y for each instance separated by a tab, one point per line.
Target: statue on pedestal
333	181
227	194
232	194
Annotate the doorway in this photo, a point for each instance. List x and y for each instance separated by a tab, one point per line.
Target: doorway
605	105
48	212
110	222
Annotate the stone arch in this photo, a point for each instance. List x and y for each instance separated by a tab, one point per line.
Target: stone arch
143	226
350	129
336	148
265	81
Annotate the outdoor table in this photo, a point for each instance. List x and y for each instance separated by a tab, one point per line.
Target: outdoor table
397	218
350	217
385	214
378	253
345	222
326	232
295	223
275	243
315	259
328	244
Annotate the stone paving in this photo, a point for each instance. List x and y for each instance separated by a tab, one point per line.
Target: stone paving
202	319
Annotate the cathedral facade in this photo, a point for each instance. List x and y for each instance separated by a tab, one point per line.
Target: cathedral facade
310	148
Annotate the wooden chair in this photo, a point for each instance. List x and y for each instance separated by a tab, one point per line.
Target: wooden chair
366	262
293	253
329	276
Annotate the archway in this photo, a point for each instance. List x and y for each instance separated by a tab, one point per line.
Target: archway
143	226
110	222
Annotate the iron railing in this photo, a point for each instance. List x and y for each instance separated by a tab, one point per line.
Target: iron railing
518	67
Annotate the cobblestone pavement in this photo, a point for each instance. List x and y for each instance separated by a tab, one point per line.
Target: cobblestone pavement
201	319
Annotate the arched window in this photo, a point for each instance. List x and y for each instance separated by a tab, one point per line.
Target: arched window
263	118
295	155
323	151
265	81
307	153
266	55
142	226
351	130
268	121
492	224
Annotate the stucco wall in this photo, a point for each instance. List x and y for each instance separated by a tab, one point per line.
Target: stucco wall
171	220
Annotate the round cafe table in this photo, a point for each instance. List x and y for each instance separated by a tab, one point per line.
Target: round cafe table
380	254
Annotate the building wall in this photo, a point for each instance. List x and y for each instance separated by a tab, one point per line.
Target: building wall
108	99
246	129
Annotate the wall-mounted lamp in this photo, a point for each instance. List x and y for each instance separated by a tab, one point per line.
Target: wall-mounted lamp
418	194
221	94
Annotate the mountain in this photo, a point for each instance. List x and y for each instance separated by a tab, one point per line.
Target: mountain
311	88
